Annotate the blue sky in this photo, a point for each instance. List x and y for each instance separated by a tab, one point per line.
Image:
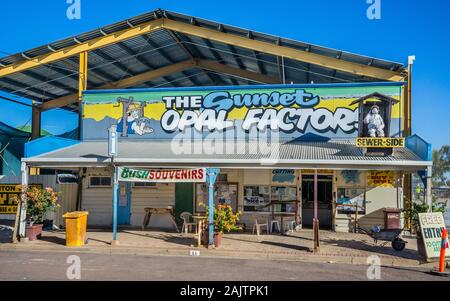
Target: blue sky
406	27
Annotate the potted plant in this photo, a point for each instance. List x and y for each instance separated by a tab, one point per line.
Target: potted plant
412	214
224	220
38	202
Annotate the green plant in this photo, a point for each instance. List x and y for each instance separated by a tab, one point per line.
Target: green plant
441	165
412	213
39	201
224	218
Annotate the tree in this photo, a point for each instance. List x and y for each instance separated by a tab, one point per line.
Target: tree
441	165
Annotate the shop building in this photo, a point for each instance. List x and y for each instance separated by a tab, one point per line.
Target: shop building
278	117
265	171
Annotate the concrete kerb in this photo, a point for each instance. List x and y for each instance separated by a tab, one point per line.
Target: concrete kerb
215	253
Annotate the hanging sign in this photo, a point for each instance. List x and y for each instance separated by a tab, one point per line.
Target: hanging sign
369	142
431	225
162	175
381	178
7	193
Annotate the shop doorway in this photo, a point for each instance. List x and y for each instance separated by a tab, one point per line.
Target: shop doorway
184	199
124	208
324	200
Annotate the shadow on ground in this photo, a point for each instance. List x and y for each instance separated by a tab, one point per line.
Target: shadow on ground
165	236
370	247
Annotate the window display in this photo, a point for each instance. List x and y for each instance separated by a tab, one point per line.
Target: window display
350	198
224	194
268	198
256	198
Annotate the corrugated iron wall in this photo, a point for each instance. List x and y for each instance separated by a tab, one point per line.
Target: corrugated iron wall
67	198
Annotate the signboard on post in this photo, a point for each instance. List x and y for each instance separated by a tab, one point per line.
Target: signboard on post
161	175
113	141
7	193
431	225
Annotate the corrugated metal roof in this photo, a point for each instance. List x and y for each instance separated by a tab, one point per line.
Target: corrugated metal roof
161	48
239	153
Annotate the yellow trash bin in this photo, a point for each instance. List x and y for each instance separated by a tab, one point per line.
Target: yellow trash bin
76	228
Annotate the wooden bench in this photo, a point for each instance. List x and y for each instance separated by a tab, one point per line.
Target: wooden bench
158	210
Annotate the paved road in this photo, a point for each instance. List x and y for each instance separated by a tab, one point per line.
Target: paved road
53	266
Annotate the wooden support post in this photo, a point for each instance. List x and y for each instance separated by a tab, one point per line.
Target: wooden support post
407	131
20	223
35	122
82	85
408	102
316	218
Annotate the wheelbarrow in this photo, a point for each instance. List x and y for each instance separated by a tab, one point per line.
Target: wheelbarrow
386	235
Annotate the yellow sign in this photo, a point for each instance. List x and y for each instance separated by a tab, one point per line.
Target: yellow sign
7	191
380	142
381	178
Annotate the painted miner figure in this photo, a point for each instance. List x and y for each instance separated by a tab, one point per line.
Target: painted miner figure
136	123
375	123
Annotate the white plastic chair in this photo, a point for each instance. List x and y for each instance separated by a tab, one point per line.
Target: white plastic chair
187	224
273	223
290	225
258	227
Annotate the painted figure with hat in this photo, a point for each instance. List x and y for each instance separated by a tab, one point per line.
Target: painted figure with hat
136	122
375	123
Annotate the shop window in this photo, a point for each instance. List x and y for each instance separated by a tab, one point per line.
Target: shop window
144	184
283	198
256	198
222	177
99	181
348	199
270	198
224	194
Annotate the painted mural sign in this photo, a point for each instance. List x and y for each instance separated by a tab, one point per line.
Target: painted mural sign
381	178
161	175
289	110
431	225
7	191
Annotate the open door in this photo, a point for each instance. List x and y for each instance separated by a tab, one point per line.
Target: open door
184	199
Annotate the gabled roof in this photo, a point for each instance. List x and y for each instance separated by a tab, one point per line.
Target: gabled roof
168	49
377	96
